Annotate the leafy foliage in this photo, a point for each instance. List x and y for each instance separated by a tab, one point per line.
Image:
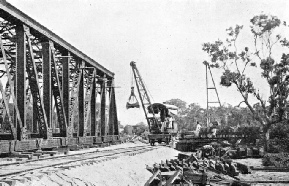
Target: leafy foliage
234	63
277	160
228	116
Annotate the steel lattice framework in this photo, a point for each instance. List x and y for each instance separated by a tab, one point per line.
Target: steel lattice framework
49	88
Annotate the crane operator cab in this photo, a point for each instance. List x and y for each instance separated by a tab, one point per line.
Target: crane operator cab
163	120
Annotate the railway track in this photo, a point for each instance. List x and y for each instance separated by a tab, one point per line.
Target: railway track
67	161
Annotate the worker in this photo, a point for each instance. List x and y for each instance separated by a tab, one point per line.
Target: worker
214	132
163	119
173	144
163	126
170	122
198	129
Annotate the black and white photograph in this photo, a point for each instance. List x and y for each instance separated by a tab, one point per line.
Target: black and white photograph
144	92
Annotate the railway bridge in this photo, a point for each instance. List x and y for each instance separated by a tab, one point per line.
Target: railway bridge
52	94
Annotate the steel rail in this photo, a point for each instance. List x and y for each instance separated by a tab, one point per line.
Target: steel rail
14	13
19	168
62	156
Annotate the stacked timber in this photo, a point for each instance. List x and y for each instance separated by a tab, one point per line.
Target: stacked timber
189	170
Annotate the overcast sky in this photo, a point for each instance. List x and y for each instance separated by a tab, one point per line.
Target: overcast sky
164	37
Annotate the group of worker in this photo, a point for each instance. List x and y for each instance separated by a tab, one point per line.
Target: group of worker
167	123
212	130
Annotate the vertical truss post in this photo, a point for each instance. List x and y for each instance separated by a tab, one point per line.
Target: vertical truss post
110	123
20	80
113	121
103	108
65	84
74	99
35	118
81	105
46	70
87	102
93	108
32	72
58	94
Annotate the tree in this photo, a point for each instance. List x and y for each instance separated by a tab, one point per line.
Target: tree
128	129
140	128
178	103
274	70
194	114
182	107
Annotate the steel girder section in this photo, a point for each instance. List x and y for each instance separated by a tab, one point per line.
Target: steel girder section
6	111
20	80
76	80
58	94
81	104
112	120
5	57
35	123
88	96
7	32
65	84
32	73
6	104
47	84
103	108
8	11
93	108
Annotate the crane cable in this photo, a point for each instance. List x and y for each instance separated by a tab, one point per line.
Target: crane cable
149	92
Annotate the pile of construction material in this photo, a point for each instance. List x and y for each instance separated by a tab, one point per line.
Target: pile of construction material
187	169
224	149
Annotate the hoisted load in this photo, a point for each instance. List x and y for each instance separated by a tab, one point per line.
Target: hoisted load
132	100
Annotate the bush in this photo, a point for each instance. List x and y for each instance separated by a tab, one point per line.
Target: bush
276	159
279	131
278	145
279	139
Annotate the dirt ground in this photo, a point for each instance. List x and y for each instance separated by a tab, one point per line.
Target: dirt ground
122	171
125	170
262	175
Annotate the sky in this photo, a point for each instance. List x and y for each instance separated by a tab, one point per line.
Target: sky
163	37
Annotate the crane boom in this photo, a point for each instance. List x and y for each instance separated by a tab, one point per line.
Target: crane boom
143	94
158	126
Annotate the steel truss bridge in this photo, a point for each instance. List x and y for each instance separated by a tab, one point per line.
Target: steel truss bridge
52	94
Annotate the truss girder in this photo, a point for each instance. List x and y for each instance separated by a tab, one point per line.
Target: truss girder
47	76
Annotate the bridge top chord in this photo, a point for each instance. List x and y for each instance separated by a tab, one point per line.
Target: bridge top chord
11	13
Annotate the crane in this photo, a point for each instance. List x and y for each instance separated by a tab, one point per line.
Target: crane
158	126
